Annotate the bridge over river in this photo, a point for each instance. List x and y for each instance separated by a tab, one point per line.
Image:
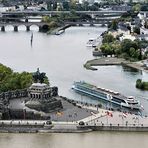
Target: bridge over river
42	13
16	19
28	24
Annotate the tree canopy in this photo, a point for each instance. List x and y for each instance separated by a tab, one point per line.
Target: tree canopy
128	49
10	80
113	25
141	84
108	38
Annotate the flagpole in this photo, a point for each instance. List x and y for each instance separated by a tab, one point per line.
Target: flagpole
107	118
122	119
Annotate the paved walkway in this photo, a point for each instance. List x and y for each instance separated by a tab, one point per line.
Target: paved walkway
114	118
123	119
93	116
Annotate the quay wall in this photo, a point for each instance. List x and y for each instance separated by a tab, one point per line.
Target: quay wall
19	130
119	128
24	126
36	129
42	130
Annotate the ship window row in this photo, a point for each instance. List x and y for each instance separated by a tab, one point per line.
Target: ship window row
118	100
92	91
99	94
133	103
84	88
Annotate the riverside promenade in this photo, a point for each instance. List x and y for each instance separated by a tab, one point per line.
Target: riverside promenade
103	120
68	119
98	120
106	120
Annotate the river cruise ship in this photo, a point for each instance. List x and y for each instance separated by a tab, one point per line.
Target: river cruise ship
107	95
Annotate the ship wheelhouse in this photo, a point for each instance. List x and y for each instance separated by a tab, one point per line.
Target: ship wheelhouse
131	101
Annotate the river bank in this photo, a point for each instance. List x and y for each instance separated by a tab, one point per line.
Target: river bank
59	30
48	53
104	61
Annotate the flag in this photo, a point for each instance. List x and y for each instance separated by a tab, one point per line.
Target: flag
109	114
124	115
142	107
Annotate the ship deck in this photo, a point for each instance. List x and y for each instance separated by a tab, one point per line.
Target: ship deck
104	91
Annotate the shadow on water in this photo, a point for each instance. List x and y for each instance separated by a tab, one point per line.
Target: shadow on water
131	70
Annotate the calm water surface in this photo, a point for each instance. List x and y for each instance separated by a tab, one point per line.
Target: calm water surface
85	140
62	58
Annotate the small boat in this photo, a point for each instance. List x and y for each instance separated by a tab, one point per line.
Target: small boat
107	95
90	42
93	42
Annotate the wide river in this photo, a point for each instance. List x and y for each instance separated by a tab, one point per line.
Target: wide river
62	58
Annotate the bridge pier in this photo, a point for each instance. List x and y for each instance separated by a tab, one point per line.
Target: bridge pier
27	28
80	24
40	28
91	24
15	28
26	20
3	28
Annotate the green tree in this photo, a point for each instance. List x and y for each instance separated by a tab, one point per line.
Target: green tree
132	52
136	8
106	49
10	80
4	72
137	55
114	25
126	44
46	19
138	83
108	38
66	5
